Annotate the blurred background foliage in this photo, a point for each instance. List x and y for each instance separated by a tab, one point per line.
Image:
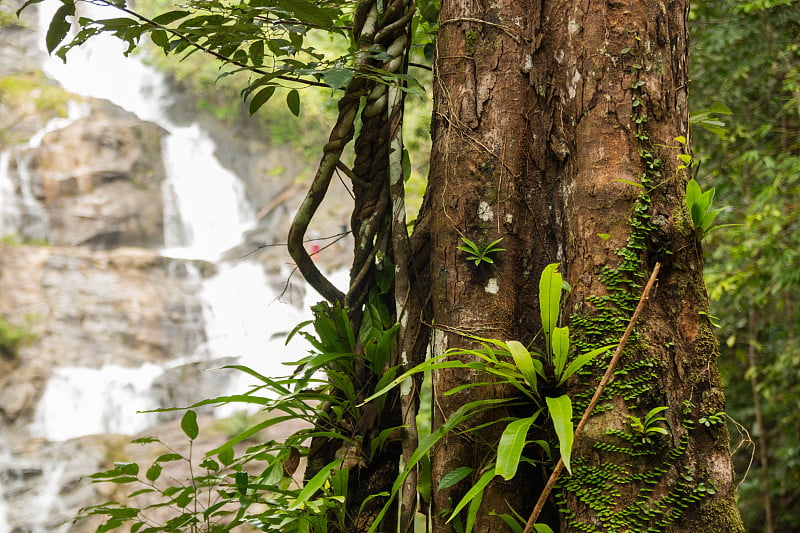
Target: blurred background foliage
746	55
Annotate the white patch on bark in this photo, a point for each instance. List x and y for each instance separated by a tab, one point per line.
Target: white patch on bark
492	287
573	26
509	218
573	84
485	212
559	56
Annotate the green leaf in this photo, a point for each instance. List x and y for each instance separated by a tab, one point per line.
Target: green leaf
549	301
293	102
59	27
560	349
189	424
581	361
512	442
475	492
26	4
308	12
337	77
170	16
524	361
160	38
560	410
542	528
153	472
261	98
168	457
454	476
315	483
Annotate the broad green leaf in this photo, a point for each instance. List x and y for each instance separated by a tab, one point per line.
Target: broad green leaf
59	27
160	38
189	424
170	16
454	476
542	528
549	301
560	349
560	410
524	361
512	442
475	492
315	483
153	472
293	102
308	12
261	98
337	77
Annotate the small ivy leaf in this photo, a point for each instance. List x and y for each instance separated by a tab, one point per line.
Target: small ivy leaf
59	27
189	424
293	102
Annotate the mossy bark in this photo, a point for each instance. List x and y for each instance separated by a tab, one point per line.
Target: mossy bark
546	115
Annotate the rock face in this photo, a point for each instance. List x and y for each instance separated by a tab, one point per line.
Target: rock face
96	183
100	181
89	309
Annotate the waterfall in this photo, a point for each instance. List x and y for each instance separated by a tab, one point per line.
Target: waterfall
205	214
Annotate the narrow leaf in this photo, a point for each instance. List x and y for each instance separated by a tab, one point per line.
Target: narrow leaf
475	492
524	361
315	483
261	98
581	361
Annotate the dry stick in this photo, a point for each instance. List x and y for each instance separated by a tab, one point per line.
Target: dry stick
586	414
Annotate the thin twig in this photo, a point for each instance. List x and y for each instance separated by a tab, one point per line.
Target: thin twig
587	413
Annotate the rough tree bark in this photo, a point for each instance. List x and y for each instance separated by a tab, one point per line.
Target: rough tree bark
546	115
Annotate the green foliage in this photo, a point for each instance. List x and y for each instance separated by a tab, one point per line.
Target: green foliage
745	53
480	254
12	338
647	428
699	204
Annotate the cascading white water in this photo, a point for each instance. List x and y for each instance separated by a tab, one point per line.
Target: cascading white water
205	215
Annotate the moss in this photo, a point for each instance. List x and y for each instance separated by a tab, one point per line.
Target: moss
12	338
723	513
471	38
33	87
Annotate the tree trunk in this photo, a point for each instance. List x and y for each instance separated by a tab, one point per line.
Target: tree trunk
553	128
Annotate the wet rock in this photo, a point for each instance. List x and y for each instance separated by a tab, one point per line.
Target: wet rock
87	309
